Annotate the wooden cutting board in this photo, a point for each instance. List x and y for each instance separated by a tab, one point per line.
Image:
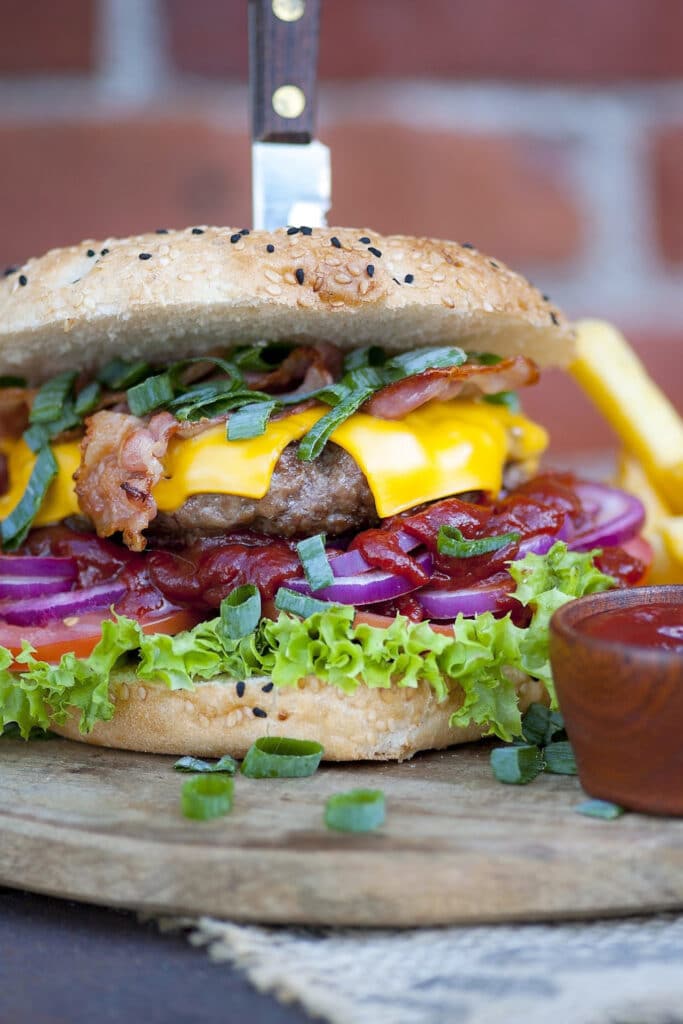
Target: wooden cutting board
105	826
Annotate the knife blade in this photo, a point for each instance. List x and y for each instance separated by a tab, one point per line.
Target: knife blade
291	177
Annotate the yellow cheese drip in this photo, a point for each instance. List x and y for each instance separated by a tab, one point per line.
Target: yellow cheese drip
440	449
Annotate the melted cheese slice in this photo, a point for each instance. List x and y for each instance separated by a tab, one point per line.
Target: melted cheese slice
440	449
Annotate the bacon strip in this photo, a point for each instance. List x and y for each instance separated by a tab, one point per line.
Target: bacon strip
312	367
396	400
15	406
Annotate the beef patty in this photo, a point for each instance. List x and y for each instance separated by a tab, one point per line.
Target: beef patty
329	494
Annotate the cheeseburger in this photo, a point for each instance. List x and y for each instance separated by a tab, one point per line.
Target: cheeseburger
281	483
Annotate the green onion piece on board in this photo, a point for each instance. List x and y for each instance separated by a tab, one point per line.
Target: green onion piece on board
51	398
599	809
14	528
540	724
250	421
241	611
559	758
517	765
451	542
87	398
317	437
226	764
300	604
150	394
358	810
207	796
315	563
277	757
118	375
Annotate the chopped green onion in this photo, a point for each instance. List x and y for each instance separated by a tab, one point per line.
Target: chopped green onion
540	724
87	398
119	375
559	758
358	810
261	357
49	403
241	611
484	358
451	542
15	527
599	809
510	399
250	421
226	764
207	796
315	563
38	435
371	355
300	604
407	364
277	757
149	394
517	765
13	382
317	437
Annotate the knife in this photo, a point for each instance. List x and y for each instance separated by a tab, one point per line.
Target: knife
290	169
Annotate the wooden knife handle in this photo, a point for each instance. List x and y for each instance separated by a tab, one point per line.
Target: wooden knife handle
283	57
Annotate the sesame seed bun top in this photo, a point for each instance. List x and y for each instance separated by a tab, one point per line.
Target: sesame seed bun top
171	294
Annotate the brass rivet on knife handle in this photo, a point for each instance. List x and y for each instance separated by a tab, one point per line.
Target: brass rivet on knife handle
283	38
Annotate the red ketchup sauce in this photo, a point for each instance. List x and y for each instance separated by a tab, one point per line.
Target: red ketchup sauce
654	625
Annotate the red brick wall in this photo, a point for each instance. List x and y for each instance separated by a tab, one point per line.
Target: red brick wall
548	132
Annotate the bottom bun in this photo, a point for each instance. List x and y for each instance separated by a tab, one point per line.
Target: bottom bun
224	717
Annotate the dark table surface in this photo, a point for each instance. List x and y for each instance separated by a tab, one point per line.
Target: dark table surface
70	963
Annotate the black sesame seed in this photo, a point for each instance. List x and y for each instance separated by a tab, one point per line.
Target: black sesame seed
335	242
270	247
235	238
365	240
23	280
244	231
197	231
306	231
467	245
104	252
553	317
494	264
240	688
299	274
268	687
292	231
259	713
9	270
396	280
546	298
161	231
370	269
409	278
90	252
375	252
145	256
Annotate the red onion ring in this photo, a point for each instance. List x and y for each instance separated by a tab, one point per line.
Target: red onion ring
365	587
38	566
352	563
617	517
17	587
39	610
447	604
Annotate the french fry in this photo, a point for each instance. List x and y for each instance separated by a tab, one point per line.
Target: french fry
631	476
616	381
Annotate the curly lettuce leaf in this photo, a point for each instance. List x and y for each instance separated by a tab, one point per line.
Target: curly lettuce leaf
482	658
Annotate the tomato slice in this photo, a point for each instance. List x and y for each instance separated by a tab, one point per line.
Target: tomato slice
384	621
57	638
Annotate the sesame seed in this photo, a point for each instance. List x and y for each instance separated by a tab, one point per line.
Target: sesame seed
306	231
335	242
197	231
90	252
292	231
396	280
240	688
145	256
375	252
299	274
161	231
235	238
467	245
23	280
244	231
370	269
494	264
270	247
409	278
9	270
365	240
546	298
104	252
259	713
553	317
268	687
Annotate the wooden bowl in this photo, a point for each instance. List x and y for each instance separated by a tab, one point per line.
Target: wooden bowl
622	704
